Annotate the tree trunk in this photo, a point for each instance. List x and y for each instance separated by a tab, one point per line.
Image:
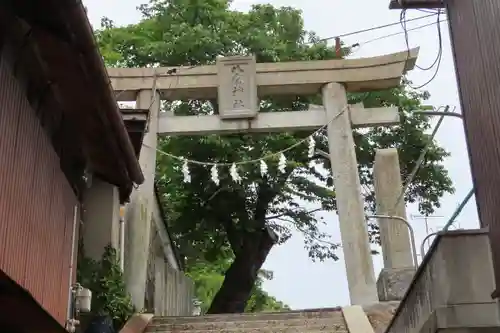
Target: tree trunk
240	278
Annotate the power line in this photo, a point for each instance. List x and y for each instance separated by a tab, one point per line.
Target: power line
420	160
398	33
439	57
440	40
375	28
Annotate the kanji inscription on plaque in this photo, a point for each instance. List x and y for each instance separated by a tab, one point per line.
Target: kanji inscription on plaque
237	91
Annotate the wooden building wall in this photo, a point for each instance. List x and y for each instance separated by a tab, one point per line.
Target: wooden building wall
36	202
475	35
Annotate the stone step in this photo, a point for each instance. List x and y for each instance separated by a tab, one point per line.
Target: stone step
306	321
335	321
275	330
289	315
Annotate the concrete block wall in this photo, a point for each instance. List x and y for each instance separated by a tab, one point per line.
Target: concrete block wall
171	292
451	290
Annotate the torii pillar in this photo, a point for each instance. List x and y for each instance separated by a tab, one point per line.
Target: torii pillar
350	205
138	216
399	269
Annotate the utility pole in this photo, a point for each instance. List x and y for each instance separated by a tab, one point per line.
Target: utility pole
474	30
426	219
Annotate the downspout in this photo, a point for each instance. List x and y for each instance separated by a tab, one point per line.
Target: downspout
71	264
122	238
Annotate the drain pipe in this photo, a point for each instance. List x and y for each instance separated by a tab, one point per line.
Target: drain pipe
122	238
72	265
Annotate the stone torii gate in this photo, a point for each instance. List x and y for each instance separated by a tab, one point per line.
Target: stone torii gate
238	108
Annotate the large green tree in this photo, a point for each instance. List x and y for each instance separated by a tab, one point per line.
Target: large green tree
209	276
246	220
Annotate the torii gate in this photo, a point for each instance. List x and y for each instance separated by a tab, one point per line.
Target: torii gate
239	113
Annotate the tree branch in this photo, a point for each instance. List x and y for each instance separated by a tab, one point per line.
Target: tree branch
284	214
266	194
307	233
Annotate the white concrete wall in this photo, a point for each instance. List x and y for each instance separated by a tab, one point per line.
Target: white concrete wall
101	218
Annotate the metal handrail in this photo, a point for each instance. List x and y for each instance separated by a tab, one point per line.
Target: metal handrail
450	221
422	248
410	229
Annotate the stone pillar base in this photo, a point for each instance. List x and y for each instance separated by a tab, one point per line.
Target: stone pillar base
392	283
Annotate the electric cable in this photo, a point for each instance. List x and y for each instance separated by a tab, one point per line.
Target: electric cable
373	28
440	40
437	62
420	160
361	44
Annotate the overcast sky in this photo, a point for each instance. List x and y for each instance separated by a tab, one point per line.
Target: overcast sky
297	281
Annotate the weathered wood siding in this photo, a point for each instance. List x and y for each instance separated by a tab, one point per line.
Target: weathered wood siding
475	33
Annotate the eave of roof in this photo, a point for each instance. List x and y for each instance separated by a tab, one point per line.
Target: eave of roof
62	35
416	4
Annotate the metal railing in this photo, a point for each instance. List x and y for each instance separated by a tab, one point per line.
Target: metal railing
410	229
450	220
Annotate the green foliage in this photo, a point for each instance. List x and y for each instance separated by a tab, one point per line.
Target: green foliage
210	222
105	279
260	300
208	278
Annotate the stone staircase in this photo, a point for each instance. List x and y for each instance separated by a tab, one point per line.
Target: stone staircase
311	321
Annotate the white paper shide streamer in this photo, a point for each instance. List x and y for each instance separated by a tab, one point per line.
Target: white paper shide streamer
311	150
214	174
282	163
234	174
263	168
185	172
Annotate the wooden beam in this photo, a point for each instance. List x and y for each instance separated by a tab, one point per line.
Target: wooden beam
272	121
416	4
289	78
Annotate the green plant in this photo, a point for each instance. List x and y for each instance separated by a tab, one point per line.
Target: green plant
105	279
208	278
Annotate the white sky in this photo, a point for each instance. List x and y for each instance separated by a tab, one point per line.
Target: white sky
297	281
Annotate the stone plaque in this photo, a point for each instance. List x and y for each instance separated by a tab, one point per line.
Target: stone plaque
237	90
